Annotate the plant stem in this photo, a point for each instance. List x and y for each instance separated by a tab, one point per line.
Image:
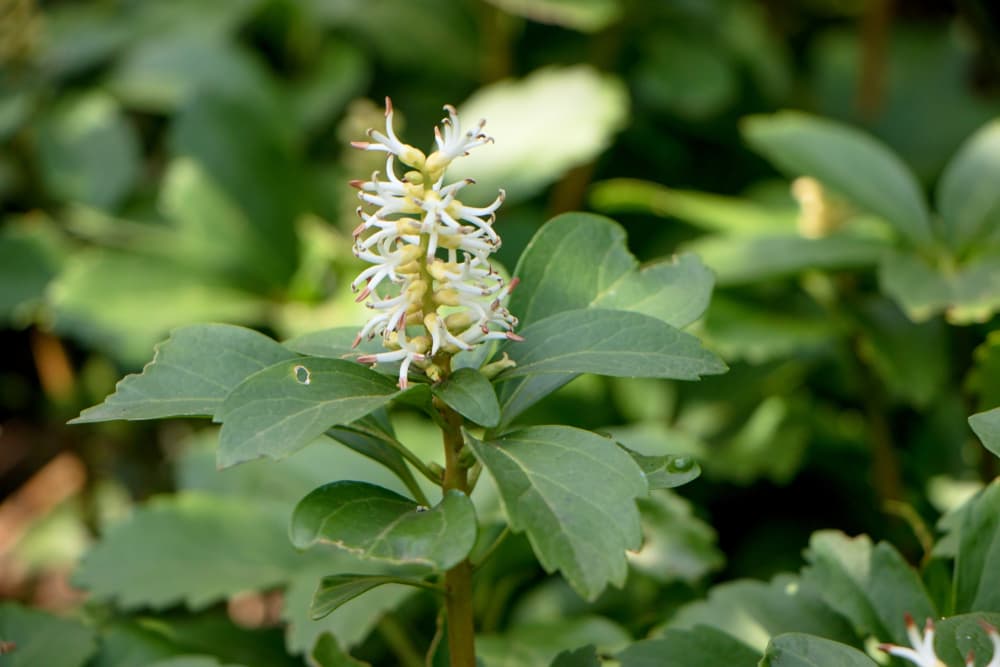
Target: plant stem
458	580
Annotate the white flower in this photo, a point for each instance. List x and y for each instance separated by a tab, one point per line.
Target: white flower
430	282
923	654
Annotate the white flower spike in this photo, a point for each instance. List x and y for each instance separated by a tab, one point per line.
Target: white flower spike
430	282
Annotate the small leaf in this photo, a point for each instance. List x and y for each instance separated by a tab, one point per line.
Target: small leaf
237	546
987	427
190	374
967	196
378	524
42	639
798	650
977	581
871	585
582	15
610	342
284	407
702	646
585	656
849	162
470	394
665	472
573	493
339	589
966	294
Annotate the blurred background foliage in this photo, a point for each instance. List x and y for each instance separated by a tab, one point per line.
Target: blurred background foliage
170	162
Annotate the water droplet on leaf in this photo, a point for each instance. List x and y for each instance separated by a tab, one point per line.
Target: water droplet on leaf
680	464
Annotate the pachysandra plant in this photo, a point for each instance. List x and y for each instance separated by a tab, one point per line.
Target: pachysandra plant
444	338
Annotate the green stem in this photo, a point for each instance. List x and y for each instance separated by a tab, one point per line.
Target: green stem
458	580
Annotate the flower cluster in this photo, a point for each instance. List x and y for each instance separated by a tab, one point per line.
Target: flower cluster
922	652
430	282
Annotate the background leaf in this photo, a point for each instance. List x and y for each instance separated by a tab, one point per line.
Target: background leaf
849	162
798	650
701	646
969	207
43	639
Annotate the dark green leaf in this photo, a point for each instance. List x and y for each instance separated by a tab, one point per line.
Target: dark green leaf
573	493
337	590
847	161
580	260
798	650
30	256
701	646
977	580
871	585
967	199
537	644
38	638
585	656
191	374
987	427
284	407
378	524
88	151
956	636
336	343
470	394
610	342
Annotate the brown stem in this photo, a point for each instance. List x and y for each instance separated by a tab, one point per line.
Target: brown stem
875	27
458	580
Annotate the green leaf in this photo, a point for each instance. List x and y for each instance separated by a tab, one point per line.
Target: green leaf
755	611
686	75
585	656
977	581
335	343
469	393
327	653
871	585
956	636
701	646
30	256
511	106
352	622
851	163
243	145
284	407
987	427
43	639
580	260
337	590
967	197
202	548
742	259
710	212
125	303
582	15
665	472
190	661
799	650
537	644
88	151
573	493
677	545
190	374
967	293
339	74
378	524
610	342
376	448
